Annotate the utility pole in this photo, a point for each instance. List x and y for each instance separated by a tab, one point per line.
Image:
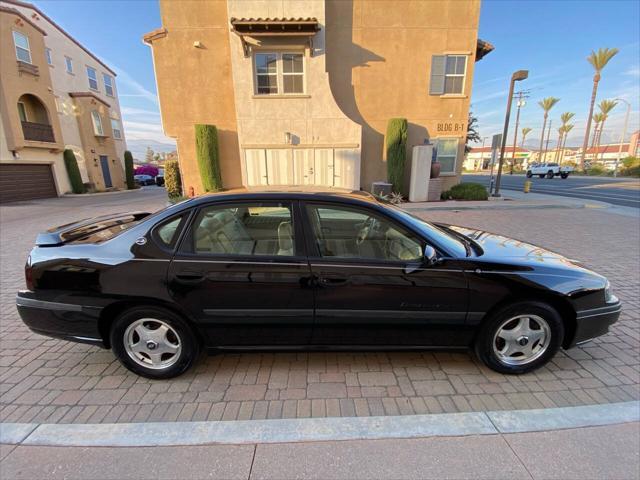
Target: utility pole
624	133
546	146
520	103
516	77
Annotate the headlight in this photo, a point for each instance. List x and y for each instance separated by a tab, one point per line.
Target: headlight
609	297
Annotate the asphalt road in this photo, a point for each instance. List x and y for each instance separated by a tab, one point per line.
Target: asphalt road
617	191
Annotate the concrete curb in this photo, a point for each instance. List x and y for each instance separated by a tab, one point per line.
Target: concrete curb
316	429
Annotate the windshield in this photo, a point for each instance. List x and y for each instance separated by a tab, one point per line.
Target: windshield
447	241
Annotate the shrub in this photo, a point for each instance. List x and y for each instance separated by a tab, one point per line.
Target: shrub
629	162
630	167
172	181
396	151
596	170
208	157
466	191
128	170
73	171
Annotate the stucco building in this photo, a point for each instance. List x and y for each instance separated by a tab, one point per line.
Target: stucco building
301	91
54	95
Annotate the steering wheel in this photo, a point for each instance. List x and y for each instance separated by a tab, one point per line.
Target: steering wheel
365	231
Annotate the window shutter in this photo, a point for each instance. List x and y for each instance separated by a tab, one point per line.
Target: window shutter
438	64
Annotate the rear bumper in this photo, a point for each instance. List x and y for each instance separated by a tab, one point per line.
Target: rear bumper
595	322
67	321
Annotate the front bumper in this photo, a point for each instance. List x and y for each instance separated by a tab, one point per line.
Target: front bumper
595	322
67	321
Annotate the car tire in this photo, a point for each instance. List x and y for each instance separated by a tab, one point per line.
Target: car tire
550	174
564	176
543	340
529	174
154	342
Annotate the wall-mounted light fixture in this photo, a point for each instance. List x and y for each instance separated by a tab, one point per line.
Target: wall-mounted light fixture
287	138
198	44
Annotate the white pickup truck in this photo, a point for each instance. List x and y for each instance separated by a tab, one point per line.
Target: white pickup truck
548	170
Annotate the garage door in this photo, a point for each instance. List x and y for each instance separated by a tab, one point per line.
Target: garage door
25	182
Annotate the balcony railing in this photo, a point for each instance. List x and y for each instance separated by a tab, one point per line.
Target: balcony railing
39	132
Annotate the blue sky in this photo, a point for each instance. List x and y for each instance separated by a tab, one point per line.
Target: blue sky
549	38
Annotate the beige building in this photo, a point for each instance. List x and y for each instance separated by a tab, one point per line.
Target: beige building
301	91
54	95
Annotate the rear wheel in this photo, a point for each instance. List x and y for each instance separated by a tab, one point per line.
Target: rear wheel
529	174
564	175
520	337
154	342
550	174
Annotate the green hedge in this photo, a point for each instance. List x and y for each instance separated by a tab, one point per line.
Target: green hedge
396	140
208	157
73	171
466	191
596	170
172	180
128	170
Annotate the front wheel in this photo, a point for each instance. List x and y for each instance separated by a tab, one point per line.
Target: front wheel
550	174
564	175
154	342
520	337
529	174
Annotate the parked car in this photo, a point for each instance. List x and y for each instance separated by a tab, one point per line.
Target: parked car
144	180
160	178
277	270
548	170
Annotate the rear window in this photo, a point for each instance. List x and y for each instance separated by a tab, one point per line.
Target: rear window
99	232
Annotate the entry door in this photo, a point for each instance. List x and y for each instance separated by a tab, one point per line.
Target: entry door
323	166
373	288
303	167
106	174
241	273
256	167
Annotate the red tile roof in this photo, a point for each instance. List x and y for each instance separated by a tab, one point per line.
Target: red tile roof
614	148
508	149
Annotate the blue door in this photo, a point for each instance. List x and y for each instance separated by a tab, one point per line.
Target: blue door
104	163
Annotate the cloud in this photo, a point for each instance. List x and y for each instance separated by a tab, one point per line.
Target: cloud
633	71
138	111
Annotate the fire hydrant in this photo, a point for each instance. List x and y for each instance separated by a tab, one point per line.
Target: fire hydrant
527	186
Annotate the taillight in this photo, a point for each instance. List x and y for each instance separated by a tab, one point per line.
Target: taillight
28	274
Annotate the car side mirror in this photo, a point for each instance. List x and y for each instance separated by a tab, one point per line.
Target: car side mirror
430	255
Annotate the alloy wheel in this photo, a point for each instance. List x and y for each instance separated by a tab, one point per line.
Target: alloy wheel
152	343
521	340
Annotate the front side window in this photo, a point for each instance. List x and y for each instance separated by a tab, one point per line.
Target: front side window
68	61
447	74
23	52
47	54
115	127
108	84
279	73
353	233
243	229
93	79
447	154
97	123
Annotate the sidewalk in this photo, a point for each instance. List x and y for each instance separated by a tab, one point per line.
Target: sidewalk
582	453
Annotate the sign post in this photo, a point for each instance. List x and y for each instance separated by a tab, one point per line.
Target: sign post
496	142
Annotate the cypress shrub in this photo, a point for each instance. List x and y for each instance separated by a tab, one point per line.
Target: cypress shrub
208	157
128	170
73	171
396	152
172	180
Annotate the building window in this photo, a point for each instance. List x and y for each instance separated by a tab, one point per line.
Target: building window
447	154
22	112
68	61
47	54
447	74
279	73
23	52
108	84
115	127
97	123
93	78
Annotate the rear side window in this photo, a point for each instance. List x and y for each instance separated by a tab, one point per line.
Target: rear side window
166	234
264	229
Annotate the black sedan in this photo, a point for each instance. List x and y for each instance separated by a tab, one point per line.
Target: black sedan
282	270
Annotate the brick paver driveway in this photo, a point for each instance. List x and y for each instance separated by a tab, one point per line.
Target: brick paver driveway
46	380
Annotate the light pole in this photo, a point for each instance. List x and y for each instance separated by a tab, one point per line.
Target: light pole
624	133
516	77
520	103
484	139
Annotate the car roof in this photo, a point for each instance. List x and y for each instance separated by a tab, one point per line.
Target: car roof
288	193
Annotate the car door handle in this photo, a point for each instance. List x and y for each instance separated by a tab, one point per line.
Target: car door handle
333	281
190	277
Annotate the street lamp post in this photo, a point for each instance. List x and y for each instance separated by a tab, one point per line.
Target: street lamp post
624	133
516	77
521	103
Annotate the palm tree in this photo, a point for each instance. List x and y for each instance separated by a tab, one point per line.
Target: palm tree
605	107
567	128
546	104
525	132
598	61
597	119
564	119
